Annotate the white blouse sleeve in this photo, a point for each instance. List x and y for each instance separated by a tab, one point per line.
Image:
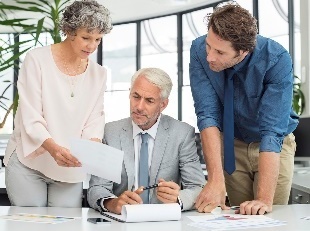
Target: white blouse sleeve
33	126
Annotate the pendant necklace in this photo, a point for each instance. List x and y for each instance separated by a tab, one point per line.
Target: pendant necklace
71	77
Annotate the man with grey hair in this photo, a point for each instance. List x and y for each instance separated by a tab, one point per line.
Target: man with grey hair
165	145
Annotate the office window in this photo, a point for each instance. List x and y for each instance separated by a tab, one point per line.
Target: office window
273	20
246	4
297	39
194	26
6	86
159	49
119	58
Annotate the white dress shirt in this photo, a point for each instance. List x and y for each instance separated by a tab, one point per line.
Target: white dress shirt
137	145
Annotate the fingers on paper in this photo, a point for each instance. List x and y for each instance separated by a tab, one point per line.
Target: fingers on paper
206	207
254	207
64	158
202	199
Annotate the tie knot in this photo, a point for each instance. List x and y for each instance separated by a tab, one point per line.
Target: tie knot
229	73
144	137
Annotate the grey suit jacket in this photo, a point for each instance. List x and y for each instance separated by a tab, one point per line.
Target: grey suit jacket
174	159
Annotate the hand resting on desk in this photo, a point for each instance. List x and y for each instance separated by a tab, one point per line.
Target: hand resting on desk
254	207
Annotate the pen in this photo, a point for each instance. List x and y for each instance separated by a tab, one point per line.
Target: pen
235	207
151	186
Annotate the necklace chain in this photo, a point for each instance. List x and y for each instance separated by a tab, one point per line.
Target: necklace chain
71	76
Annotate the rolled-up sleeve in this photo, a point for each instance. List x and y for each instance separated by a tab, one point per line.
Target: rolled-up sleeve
275	108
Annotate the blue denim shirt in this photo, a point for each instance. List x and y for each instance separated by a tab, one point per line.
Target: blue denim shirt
263	90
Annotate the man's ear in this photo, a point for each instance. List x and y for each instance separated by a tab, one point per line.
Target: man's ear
244	53
164	104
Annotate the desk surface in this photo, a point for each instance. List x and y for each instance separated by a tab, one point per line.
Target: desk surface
289	213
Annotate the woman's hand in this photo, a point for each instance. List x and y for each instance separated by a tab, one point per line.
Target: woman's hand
61	155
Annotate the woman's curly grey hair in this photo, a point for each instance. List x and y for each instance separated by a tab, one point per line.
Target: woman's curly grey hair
88	14
235	24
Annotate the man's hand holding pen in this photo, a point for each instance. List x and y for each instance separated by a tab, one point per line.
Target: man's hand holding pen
167	191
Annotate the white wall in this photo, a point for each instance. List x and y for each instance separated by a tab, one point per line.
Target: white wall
305	52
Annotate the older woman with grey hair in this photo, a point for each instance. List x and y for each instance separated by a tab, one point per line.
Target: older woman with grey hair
60	96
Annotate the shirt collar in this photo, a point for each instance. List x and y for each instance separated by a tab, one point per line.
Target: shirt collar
151	131
240	65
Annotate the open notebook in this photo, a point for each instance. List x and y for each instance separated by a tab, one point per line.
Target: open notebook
147	212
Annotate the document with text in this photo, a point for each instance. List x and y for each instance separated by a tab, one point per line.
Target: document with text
233	222
147	212
98	159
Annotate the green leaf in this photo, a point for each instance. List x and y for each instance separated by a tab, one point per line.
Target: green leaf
10	21
15	57
12	8
298	103
5	90
39	29
15	102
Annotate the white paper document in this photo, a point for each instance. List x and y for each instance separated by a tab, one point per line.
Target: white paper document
147	212
98	159
233	222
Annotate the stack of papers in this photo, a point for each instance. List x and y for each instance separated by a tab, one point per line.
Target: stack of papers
233	222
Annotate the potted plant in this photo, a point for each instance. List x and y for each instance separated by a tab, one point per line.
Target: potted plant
46	16
298	96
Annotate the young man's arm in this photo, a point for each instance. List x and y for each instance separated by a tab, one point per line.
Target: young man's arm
214	192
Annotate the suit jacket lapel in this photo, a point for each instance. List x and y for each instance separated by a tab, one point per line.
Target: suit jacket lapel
160	144
129	153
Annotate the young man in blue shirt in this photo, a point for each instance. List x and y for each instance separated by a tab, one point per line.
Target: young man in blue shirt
261	119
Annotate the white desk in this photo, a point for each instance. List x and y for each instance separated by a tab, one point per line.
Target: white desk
289	213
